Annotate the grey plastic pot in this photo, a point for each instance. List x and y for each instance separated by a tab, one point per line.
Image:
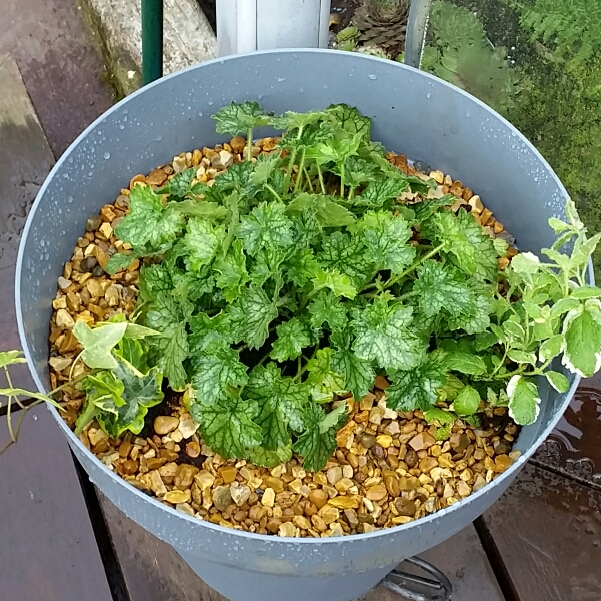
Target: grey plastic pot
412	112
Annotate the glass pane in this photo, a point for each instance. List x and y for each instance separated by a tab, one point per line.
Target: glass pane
538	63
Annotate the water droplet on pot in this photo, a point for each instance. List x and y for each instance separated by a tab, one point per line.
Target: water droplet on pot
281	79
468	114
371	76
124	118
302	90
70	199
66	175
107	156
428	95
210	103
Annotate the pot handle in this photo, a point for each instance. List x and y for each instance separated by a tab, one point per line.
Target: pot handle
399	582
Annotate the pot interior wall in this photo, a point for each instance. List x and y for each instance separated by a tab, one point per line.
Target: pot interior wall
412	113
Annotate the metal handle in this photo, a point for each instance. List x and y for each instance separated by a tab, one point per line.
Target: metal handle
398	582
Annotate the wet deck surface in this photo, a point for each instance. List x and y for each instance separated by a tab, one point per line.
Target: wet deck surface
542	540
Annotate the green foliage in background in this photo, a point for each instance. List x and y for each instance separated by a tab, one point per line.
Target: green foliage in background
461	54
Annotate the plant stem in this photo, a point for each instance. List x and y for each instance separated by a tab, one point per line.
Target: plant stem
249	144
323	186
407	271
268	187
308	179
342	181
299	176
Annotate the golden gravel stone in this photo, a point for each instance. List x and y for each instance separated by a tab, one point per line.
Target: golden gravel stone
156	483
178	496
377	492
329	513
423	440
384	440
318	497
277	484
344	502
334	474
185	476
164	425
228	474
287	529
204	479
240	494
221	497
268	498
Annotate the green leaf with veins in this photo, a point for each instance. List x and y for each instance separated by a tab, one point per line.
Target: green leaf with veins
339	284
325	308
359	375
264	458
202	240
180	184
386	237
230	271
359	171
237	119
154	279
478	320
383	334
558	381
350	120
467	401
347	256
442	287
281	403
524	400
11	358
172	349
334	150
582	334
327	210
318	441
380	193
228	427
192	285
250	316
118	262
322	379
301	268
291	120
417	388
293	336
98	343
149	223
266	226
216	371
207	332
444	418
465	363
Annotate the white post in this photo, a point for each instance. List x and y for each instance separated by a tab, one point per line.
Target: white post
247	25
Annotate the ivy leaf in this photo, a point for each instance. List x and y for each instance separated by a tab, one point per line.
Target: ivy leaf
139	393
441	287
149	223
467	401
345	255
465	363
558	381
215	371
322	379
325	308
266	226
524	401
379	193
202	240
12	357
237	119
383	335
250	316
293	336
417	388
550	348
386	238
228	427
582	333
98	343
318	441
281	403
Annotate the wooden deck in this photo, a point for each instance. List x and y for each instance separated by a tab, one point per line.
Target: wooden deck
60	540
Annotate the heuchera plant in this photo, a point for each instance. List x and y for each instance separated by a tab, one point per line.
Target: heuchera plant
297	277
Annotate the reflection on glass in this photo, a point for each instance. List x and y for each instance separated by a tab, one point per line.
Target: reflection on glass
538	63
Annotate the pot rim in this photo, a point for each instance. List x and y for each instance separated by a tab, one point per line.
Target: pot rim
510	473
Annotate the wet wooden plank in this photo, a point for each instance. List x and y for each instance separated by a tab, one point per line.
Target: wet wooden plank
139	553
547	530
60	63
574	447
47	546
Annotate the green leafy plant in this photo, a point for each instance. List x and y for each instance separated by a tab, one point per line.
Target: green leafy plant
295	278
